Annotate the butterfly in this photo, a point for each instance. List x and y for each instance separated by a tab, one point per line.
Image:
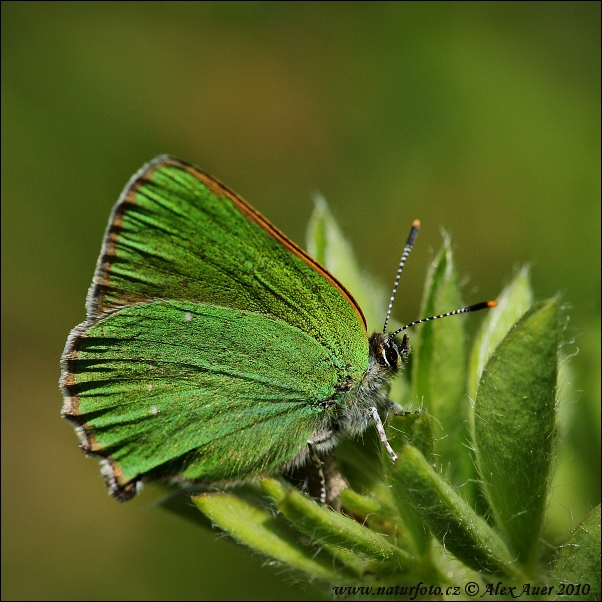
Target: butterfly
214	347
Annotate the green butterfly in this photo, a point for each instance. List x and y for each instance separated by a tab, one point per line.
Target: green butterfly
215	348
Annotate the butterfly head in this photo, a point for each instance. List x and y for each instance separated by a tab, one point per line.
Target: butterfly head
389	351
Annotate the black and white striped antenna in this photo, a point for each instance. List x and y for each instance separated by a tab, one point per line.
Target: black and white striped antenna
406	251
463	310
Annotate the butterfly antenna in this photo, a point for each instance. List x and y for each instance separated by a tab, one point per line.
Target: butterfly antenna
464	310
404	256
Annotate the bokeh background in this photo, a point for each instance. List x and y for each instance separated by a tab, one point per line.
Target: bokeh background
483	118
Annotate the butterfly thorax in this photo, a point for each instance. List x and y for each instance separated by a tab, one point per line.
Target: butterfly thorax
387	356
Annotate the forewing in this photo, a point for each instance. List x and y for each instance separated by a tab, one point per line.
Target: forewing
194	391
176	233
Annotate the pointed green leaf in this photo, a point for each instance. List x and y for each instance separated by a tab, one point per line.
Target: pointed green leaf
514	427
513	302
451	520
579	561
439	366
326	526
249	523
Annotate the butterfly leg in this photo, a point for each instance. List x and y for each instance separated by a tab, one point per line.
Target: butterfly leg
320	478
317	439
381	432
329	482
320	466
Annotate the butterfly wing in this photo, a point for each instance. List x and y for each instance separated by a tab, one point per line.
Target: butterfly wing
177	233
213	345
194	391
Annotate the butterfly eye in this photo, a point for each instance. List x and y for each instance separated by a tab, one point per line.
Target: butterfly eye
387	351
391	354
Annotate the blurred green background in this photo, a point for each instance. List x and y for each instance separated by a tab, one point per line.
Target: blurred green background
483	118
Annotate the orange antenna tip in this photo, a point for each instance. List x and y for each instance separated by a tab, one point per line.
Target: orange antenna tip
416	223
491	304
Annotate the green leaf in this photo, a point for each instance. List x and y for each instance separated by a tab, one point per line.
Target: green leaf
324	525
439	367
514	427
451	520
512	303
579	560
248	522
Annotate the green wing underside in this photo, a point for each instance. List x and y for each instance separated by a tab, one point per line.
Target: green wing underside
219	392
213	346
178	234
